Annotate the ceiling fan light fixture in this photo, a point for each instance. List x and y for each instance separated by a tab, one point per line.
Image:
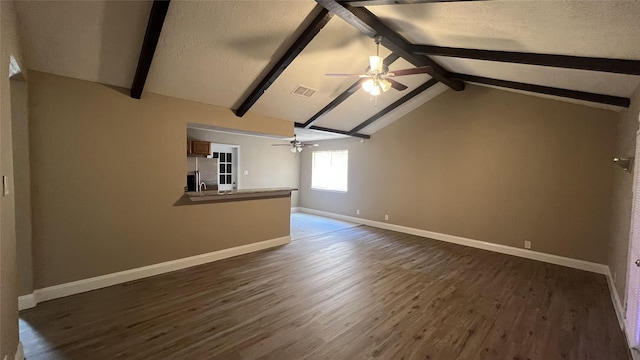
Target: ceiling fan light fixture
376	64
385	85
368	85
377	73
293	149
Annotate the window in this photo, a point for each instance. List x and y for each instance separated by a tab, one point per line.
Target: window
329	170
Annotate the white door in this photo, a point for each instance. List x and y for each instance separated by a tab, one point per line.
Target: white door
632	323
227	156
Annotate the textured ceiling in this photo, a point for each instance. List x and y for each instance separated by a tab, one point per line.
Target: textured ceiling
91	40
323	55
608	29
581	28
214	51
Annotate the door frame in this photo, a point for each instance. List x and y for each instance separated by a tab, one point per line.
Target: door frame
236	164
630	333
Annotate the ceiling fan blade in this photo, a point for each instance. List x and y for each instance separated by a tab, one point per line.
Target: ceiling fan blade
414	71
396	85
308	145
281	145
358	75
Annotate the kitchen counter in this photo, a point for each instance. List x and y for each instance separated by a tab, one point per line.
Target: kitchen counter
216	195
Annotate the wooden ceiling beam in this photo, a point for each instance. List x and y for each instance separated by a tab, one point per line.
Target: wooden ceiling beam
547	90
341	132
620	66
395	105
367	23
341	11
320	20
344	96
151	36
359	3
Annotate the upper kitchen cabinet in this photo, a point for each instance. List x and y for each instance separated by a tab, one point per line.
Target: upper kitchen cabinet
199	148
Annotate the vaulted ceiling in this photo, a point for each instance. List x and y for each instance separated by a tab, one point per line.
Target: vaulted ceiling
217	52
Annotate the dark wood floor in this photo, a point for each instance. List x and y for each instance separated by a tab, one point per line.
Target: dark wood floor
352	294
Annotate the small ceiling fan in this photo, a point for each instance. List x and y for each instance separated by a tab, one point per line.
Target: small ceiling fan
296	146
378	74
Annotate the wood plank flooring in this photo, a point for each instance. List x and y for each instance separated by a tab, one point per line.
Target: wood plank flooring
357	293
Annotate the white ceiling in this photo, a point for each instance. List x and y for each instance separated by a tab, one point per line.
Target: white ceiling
581	28
214	51
91	40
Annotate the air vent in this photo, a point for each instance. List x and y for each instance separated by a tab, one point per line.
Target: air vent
303	91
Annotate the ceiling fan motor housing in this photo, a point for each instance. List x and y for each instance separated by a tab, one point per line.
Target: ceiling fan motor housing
384	70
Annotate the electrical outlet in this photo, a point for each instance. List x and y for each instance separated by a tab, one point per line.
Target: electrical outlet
386	217
527	244
246	172
358	212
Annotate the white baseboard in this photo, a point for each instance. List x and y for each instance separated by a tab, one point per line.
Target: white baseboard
295	209
503	249
26	301
80	286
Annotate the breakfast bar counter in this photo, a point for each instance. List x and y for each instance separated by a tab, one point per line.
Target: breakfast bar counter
219	195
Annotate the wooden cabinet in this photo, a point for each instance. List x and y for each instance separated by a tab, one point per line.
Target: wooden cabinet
199	148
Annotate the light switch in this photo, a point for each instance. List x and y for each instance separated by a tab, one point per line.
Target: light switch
5	186
246	172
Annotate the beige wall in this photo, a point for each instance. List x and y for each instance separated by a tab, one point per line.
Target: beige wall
9	45
622	195
107	171
268	166
489	165
22	184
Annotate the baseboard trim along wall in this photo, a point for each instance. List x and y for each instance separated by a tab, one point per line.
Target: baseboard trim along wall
26	301
80	286
529	254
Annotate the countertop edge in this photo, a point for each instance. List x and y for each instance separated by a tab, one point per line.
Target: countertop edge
238	194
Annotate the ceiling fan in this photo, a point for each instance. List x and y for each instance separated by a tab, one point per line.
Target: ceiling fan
378	74
296	146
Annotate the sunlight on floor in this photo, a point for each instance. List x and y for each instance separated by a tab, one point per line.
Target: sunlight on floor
307	225
34	342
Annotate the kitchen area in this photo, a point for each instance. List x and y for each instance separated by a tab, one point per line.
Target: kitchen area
224	165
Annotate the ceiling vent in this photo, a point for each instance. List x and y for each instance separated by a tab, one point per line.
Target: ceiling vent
303	91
